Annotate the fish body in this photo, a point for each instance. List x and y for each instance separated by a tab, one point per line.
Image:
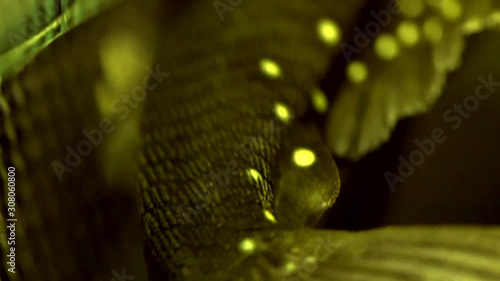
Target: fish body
210	171
211	149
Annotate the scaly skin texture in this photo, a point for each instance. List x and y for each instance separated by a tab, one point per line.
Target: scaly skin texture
203	215
44	109
46	106
197	190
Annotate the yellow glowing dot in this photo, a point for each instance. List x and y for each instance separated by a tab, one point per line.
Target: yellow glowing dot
282	112
254	174
451	9
269	216
270	68
494	18
473	26
357	72
290	267
408	33
310	260
411	8
386	47
247	245
319	100
329	31
303	157
433	30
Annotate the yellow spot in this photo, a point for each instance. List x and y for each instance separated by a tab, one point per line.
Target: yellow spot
329	31
325	205
433	30
122	58
408	33
282	112
473	26
247	245
357	72
386	47
303	157
290	267
411	8
254	174
494	18
269	216
270	68
310	260
451	9
319	100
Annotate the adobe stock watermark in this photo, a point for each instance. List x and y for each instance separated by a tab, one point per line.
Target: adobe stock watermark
302	270
372	29
454	117
223	6
94	137
222	178
121	277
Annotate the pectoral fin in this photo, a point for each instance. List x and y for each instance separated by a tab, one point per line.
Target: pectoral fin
439	253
